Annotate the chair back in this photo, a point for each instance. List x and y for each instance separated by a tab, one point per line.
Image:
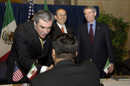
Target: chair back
3	67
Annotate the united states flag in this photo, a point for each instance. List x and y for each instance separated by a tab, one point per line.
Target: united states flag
31	9
17	74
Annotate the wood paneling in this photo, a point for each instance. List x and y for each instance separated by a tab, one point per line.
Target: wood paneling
12	1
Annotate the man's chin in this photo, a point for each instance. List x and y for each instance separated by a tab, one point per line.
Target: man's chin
43	36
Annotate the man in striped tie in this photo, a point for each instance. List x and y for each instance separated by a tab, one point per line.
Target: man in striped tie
27	48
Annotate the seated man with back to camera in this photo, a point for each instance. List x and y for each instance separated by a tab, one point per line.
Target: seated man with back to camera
66	72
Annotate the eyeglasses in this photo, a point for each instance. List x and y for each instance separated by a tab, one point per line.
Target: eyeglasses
61	15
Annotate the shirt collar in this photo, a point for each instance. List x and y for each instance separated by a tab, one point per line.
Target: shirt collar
92	23
60	25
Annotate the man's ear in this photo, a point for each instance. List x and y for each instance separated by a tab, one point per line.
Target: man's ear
76	53
53	53
95	13
55	17
34	23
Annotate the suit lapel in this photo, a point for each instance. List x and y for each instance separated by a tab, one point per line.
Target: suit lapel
67	28
36	40
86	30
58	30
97	31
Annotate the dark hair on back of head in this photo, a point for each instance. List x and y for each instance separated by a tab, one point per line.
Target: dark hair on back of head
65	45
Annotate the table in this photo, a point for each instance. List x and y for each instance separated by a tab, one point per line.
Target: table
25	84
112	82
106	82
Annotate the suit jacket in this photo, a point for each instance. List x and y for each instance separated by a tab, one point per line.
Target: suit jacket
126	67
56	30
67	73
26	49
101	48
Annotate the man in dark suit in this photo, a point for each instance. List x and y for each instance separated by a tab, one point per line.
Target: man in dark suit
66	72
61	17
94	42
27	48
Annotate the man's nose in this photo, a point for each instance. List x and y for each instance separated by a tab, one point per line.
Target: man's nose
46	31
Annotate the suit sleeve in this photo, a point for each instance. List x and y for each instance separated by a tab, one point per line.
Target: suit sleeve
22	51
109	45
77	59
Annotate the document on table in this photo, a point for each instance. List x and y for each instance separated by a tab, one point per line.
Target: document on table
121	78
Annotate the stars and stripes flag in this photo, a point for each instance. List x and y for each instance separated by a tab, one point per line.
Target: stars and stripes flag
32	72
17	74
31	9
8	27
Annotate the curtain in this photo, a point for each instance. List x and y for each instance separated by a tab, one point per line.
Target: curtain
75	15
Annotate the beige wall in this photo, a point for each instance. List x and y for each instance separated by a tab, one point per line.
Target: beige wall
42	1
119	8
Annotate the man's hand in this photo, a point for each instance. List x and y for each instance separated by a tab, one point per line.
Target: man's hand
48	68
111	68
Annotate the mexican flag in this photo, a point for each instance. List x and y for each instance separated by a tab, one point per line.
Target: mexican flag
107	65
32	72
8	28
45	6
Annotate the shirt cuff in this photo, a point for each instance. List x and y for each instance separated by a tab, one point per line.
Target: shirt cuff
43	69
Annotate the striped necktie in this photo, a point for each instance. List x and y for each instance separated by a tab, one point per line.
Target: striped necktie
41	43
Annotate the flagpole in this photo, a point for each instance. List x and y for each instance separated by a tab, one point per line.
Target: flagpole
31	10
5	3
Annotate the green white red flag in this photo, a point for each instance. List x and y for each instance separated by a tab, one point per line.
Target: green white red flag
45	6
32	72
9	25
107	65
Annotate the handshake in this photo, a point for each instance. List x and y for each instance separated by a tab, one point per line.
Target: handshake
45	68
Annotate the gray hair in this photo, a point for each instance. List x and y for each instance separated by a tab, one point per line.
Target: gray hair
44	15
90	7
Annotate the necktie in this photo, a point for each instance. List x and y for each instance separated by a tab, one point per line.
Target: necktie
62	29
41	43
91	33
